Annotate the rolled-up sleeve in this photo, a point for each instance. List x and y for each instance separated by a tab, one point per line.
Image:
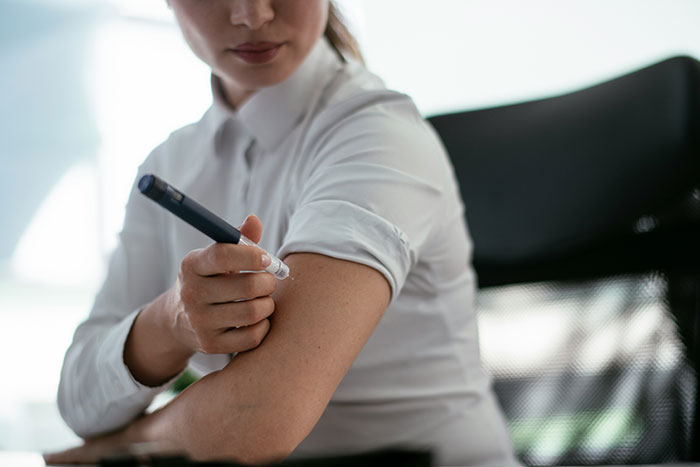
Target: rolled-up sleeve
362	237
373	193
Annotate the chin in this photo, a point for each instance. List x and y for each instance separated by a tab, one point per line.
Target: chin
260	76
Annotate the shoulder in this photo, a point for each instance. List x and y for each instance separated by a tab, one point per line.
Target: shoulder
357	94
359	118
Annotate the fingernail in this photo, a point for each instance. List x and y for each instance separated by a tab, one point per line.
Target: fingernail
266	260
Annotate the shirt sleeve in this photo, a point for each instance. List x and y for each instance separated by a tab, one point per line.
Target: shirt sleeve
97	393
373	191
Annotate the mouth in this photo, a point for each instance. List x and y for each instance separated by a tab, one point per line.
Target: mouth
257	52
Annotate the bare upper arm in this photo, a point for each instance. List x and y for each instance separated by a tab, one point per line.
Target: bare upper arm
327	310
325	313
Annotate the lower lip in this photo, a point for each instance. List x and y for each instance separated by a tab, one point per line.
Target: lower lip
257	58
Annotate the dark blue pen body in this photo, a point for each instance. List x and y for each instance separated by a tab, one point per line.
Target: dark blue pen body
188	210
202	219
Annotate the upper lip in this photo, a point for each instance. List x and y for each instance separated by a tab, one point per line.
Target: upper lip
256	46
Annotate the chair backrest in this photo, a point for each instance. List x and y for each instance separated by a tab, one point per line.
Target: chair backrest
585	215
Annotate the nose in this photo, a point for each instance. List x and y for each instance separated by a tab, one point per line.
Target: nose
253	14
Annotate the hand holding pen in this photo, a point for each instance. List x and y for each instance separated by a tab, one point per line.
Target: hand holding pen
219	309
201	218
213	307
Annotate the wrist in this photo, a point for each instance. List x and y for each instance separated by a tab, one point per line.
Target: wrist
152	352
162	313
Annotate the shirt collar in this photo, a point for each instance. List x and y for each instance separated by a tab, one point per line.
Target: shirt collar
272	112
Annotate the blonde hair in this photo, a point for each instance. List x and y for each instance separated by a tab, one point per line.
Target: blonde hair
340	36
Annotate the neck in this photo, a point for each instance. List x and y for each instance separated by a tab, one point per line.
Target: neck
234	95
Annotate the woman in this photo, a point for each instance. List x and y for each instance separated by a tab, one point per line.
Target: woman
372	342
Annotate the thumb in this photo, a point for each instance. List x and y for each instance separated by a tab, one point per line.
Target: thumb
252	228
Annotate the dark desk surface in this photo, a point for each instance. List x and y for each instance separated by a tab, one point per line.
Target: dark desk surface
32	459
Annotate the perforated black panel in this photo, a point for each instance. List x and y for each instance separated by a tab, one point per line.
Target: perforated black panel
572	202
591	372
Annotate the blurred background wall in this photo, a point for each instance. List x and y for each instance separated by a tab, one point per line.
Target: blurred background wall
89	87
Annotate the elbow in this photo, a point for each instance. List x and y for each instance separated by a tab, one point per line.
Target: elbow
83	416
88	423
74	398
75	407
74	415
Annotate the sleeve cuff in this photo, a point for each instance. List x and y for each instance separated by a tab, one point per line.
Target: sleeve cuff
119	383
343	230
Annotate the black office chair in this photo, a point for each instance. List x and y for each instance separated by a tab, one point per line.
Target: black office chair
584	210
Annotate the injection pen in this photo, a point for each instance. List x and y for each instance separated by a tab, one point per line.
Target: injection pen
202	219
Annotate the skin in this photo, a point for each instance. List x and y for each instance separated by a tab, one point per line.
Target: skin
266	401
212	28
202	311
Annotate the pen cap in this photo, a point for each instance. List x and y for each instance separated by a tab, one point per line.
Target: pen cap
152	186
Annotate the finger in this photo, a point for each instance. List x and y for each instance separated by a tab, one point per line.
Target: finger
225	288
252	228
237	339
233	315
219	258
214	320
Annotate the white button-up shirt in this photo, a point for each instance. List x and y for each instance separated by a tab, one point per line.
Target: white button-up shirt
332	163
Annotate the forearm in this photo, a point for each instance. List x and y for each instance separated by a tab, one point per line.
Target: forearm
255	410
267	400
212	420
151	353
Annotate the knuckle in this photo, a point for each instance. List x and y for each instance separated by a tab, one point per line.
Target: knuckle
219	256
256	310
270	283
253	257
260	332
214	253
260	285
249	286
253	338
188	293
267	306
250	337
247	313
188	262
